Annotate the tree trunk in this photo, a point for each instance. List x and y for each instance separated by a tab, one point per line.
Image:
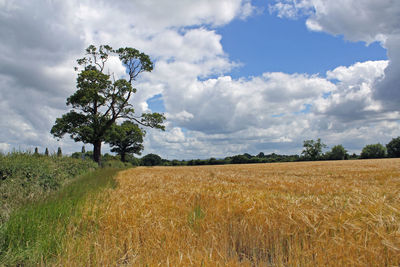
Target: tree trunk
123	157
97	151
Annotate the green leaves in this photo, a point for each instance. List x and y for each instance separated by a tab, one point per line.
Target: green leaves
68	123
312	149
374	151
93	87
126	138
131	56
393	148
153	120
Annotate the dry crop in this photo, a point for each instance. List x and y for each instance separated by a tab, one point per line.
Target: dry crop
338	213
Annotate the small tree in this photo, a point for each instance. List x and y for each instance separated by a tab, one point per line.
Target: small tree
59	152
374	151
151	160
36	151
126	139
46	152
313	149
261	155
101	99
338	153
393	148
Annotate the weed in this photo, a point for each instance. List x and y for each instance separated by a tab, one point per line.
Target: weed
37	231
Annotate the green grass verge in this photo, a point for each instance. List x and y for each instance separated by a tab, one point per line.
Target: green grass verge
35	233
26	178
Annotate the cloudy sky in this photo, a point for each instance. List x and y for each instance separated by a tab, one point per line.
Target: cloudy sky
232	76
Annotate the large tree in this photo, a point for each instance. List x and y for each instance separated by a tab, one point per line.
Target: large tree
101	99
313	149
126	139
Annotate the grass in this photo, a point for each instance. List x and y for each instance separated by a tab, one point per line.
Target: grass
36	233
26	177
338	213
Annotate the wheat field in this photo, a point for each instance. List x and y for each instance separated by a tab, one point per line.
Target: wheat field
337	213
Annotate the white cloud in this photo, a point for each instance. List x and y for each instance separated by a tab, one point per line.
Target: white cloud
269	113
368	21
4	147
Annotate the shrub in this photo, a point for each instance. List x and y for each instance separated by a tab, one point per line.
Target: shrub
25	177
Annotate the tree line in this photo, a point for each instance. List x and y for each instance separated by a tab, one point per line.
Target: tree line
312	151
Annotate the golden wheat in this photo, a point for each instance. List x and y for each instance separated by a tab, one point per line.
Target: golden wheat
340	213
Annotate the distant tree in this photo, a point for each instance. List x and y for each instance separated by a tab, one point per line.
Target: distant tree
338	153
134	161
247	155
239	159
59	152
313	149
353	156
254	160
126	138
101	99
46	152
151	160
374	151
393	148
175	162
261	155
36	151
212	161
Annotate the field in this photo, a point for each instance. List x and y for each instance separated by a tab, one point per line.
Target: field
338	213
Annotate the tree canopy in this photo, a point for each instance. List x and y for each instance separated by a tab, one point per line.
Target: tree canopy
126	138
393	148
101	99
312	149
373	151
151	160
338	152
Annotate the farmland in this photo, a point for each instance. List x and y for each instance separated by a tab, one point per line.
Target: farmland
337	213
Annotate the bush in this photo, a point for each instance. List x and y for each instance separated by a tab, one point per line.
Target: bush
374	151
36	232
25	177
393	148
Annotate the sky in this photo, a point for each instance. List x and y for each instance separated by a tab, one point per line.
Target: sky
231	76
